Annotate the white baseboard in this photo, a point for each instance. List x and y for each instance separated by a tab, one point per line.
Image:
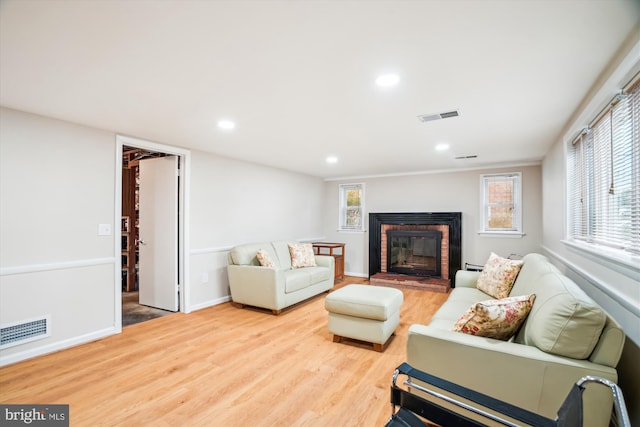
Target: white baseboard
348	273
56	346
209	303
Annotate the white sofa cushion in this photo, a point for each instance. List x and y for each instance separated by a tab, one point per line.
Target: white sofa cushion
457	303
294	280
281	249
247	254
564	320
300	278
365	301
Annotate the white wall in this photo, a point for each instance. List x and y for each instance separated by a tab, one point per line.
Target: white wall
614	286
235	202
438	192
57	184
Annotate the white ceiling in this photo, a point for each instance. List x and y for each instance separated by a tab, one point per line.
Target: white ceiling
297	77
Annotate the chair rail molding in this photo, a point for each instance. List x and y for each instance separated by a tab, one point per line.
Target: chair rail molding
62	265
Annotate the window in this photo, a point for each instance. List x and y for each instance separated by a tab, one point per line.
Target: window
351	207
501	203
604	178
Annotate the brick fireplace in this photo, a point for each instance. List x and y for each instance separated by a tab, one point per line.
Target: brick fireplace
445	224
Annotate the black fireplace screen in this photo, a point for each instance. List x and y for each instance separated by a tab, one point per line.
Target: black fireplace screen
414	252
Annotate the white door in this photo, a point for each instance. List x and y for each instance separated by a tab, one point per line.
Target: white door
158	250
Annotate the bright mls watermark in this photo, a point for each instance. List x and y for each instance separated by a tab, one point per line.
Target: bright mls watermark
34	415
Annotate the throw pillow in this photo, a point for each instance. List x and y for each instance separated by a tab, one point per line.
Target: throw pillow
302	255
499	319
264	259
498	276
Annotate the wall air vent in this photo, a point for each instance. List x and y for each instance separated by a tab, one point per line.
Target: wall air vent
23	332
438	116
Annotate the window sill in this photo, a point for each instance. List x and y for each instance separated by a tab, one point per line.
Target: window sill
620	261
508	234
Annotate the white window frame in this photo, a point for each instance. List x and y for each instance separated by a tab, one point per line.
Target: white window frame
593	224
620	78
342	207
516	230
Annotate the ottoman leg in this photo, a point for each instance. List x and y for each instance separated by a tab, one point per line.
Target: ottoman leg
337	338
382	347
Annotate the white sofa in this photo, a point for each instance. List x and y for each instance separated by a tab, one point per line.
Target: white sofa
565	337
277	287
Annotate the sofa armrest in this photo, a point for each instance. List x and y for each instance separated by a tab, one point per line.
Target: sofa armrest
325	261
257	286
466	279
519	374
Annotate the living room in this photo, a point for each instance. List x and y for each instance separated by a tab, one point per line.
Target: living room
59	177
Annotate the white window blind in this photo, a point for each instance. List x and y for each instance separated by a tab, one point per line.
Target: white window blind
604	177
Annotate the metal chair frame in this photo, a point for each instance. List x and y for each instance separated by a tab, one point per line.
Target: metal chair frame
407	407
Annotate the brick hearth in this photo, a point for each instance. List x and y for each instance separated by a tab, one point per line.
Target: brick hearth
404	281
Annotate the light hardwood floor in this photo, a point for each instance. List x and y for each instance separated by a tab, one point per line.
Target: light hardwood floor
223	366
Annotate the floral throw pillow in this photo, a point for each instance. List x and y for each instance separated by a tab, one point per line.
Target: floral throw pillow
302	255
499	319
498	276
264	259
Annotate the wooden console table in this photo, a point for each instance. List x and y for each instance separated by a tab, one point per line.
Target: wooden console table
326	248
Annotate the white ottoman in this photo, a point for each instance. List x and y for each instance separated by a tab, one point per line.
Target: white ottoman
364	312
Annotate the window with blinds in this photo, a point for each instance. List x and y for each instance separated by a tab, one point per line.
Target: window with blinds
604	177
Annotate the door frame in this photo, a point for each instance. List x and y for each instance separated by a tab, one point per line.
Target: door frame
183	219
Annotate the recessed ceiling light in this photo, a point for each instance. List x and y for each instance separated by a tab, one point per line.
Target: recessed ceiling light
387	80
443	146
226	124
332	160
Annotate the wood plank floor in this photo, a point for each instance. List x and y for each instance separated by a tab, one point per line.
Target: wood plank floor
222	366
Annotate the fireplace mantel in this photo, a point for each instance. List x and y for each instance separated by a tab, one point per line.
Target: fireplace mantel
451	219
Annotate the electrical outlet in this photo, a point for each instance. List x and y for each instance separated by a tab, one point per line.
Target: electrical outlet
104	229
205	277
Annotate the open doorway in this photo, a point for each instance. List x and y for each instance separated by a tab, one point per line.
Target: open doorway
133	311
151	211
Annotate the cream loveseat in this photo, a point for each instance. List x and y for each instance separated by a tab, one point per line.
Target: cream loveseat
565	337
279	286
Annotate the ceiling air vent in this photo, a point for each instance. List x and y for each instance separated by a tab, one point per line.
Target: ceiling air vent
438	116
